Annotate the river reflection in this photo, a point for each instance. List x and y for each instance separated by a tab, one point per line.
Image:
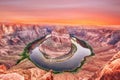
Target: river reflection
65	63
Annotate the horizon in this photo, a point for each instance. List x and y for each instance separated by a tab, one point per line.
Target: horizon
110	27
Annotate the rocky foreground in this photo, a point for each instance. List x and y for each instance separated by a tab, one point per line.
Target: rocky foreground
104	65
90	71
111	71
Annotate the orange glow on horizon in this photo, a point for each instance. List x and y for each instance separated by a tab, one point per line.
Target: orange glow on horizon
77	12
72	22
83	19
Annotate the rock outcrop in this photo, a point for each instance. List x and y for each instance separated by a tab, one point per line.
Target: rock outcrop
2	69
20	34
11	34
115	37
111	71
58	44
24	74
11	76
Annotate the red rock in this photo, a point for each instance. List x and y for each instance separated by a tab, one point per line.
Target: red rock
36	73
47	76
33	74
11	76
2	68
58	44
64	76
110	71
60	35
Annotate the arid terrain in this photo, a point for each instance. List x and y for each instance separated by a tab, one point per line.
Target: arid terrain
104	41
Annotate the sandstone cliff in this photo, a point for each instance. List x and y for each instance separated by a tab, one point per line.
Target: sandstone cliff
111	71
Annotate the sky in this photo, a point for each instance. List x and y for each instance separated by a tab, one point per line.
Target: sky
89	12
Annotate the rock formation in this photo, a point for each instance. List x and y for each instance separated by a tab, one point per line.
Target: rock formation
2	69
13	40
58	44
11	76
115	37
111	71
24	74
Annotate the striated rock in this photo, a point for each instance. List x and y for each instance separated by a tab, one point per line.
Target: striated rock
64	76
58	44
23	34
115	37
33	74
24	74
6	29
24	64
36	73
11	76
30	72
20	34
110	71
47	76
118	46
9	55
60	35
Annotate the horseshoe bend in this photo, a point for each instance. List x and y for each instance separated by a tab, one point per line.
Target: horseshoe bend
59	52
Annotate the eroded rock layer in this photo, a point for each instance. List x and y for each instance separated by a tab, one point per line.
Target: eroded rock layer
13	39
111	71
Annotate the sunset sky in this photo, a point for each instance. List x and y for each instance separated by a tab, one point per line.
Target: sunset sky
94	12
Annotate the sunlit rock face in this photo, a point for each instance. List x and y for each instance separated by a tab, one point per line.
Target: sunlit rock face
111	71
11	76
2	68
58	44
